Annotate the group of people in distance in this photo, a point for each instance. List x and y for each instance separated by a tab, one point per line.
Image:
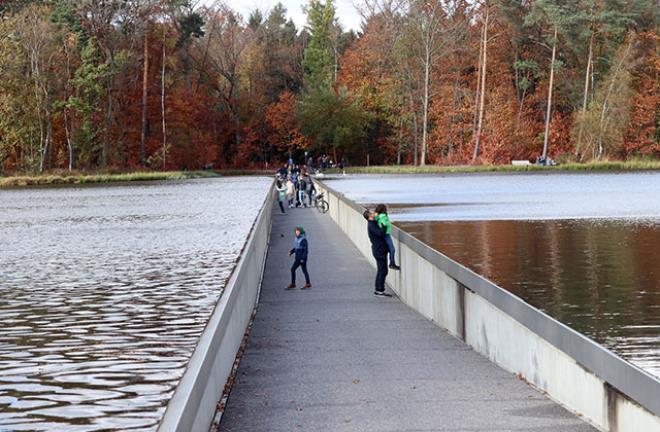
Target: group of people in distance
294	186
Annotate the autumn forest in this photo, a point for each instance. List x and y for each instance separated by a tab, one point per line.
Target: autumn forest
182	84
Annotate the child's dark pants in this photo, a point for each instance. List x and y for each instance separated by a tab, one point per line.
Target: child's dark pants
390	245
294	267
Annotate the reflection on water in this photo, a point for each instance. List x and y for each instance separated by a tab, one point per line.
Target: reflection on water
104	292
583	247
510	196
600	277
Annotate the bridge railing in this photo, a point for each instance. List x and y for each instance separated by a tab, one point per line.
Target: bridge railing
583	376
194	402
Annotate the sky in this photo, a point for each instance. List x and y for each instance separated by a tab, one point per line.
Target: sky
346	12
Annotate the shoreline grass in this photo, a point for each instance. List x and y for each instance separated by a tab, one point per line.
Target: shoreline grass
613	166
99	178
62	179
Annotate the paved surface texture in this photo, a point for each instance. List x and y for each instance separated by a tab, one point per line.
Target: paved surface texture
336	358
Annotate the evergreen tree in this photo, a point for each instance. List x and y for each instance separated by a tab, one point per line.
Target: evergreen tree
319	60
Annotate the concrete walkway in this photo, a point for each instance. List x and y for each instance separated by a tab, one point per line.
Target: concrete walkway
336	358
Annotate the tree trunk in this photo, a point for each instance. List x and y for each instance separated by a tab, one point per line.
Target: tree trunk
236	108
336	65
520	109
68	129
67	133
455	104
145	82
585	98
49	129
548	112
105	151
400	141
425	107
108	118
610	89
415	127
482	96
162	104
476	94
36	76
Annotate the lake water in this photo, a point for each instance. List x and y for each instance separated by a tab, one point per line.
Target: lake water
104	292
585	248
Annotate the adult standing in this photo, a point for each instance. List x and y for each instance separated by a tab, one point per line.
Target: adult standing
379	250
302	190
311	190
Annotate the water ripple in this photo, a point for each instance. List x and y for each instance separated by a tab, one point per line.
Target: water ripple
104	292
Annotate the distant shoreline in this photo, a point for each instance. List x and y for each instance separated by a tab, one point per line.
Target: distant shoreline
608	166
50	179
62	179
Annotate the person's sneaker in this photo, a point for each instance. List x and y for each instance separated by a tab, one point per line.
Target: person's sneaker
306	286
395	267
291	286
382	294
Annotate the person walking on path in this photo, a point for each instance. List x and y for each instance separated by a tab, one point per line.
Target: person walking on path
311	190
379	250
383	221
281	194
300	249
302	188
290	192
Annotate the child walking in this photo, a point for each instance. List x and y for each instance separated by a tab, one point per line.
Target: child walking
384	223
300	250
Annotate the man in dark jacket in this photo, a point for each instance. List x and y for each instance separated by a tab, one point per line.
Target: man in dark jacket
379	250
300	250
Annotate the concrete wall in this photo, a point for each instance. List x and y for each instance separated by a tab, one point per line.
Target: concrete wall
193	404
581	375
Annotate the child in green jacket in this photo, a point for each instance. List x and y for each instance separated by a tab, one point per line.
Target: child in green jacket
384	223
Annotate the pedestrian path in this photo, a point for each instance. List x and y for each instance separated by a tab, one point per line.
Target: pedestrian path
336	358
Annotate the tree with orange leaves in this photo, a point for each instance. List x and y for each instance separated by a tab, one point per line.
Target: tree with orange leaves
281	117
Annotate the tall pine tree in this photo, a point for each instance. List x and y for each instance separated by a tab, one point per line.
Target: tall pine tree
318	61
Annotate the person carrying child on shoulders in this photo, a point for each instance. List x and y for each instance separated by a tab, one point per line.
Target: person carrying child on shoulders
300	249
383	221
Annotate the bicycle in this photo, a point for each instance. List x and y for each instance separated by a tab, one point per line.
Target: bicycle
320	204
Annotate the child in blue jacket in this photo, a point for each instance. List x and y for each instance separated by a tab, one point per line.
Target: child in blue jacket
300	250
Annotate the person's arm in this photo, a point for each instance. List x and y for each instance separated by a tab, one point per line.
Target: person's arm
303	253
292	251
380	221
376	230
387	223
